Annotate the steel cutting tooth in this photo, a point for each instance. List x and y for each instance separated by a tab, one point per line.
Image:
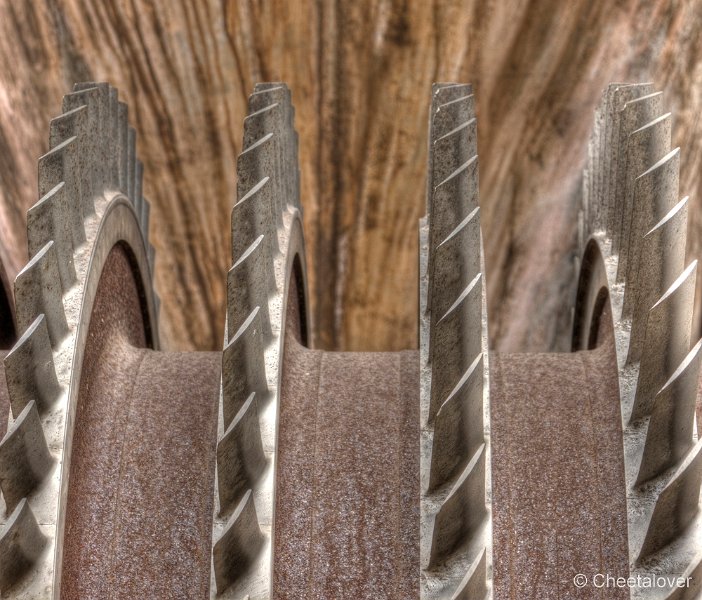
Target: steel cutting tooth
240	457
122	139
95	144
593	170
255	163
662	259
62	164
442	93
601	154
257	125
24	457
21	544
667	340
145	217
456	263
51	218
252	217
693	577
655	195
453	150
452	200
243	367
279	94
458	427
239	545
618	100
635	114
69	124
137	201
647	146
112	136
247	288
670	431
38	290
474	584
457	340
462	513
448	115
131	163
29	369
676	505
151	257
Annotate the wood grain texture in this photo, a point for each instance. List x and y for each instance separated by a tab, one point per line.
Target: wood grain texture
360	72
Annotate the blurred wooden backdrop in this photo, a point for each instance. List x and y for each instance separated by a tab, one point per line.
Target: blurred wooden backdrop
360	72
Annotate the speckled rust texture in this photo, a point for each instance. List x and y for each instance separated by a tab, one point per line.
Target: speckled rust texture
347	501
559	501
142	470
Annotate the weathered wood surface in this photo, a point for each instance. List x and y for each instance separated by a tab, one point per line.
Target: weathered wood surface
360	72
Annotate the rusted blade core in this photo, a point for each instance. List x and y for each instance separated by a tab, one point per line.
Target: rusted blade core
140	499
559	505
347	496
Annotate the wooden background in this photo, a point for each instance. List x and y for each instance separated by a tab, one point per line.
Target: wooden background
360	72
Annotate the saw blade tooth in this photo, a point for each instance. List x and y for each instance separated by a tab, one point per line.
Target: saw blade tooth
52	219
240	457
67	125
111	137
96	143
131	162
137	201
662	259
635	114
243	367
457	341
63	164
474	583
655	194
676	505
38	290
21	545
151	258
458	427
122	139
441	92
461	513
252	217
257	125
670	430
456	263
24	457
261	98
144	217
452	200
453	150
667	340
447	115
247	288
693	582
618	100
256	162
238	547
271	119
29	369
647	146
280	94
